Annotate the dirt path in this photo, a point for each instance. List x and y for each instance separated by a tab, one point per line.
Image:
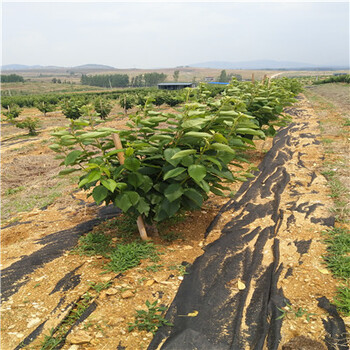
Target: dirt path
262	251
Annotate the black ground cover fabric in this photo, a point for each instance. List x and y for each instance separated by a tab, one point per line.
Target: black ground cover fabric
244	318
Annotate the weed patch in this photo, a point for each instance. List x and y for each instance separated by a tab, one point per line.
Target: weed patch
127	256
151	319
338	251
94	244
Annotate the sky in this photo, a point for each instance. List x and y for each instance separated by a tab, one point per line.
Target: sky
170	34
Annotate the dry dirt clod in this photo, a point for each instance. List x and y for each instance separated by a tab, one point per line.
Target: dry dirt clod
127	294
149	283
79	337
111	291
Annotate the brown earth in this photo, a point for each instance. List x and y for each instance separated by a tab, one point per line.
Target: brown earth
31	164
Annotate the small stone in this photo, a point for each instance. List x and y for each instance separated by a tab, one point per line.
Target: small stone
106	278
73	347
149	283
80	337
33	322
39	279
111	291
187	247
200	244
127	294
181	278
99	335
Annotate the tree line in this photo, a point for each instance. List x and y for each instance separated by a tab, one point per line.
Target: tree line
12	78
123	80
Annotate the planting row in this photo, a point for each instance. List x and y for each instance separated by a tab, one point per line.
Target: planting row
167	162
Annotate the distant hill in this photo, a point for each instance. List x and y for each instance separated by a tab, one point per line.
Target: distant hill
8	67
18	67
94	67
258	64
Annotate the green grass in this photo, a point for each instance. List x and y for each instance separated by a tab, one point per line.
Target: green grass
337	259
342	298
94	244
129	255
14	190
98	287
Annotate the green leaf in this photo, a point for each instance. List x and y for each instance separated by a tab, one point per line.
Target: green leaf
147	183
94	175
173	173
197	172
135	180
121	185
132	164
67	171
129	152
168	153
220	138
160	137
213	160
247	131
217	192
55	147
99	193
94	135
194	196
110	184
198	134
204	185
143	207
173	192
72	157
222	147
126	200
183	154
123	202
134	197
229	113
193	123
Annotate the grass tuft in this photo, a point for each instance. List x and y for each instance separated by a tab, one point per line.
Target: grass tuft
129	255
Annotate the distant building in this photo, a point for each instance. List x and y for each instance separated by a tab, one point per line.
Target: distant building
336	74
175	86
207	79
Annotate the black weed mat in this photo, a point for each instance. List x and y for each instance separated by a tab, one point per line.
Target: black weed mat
209	312
54	246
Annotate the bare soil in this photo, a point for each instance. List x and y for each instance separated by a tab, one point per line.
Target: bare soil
29	163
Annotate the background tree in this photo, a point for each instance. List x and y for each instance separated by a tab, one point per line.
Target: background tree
44	107
223	78
176	75
13	111
103	107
